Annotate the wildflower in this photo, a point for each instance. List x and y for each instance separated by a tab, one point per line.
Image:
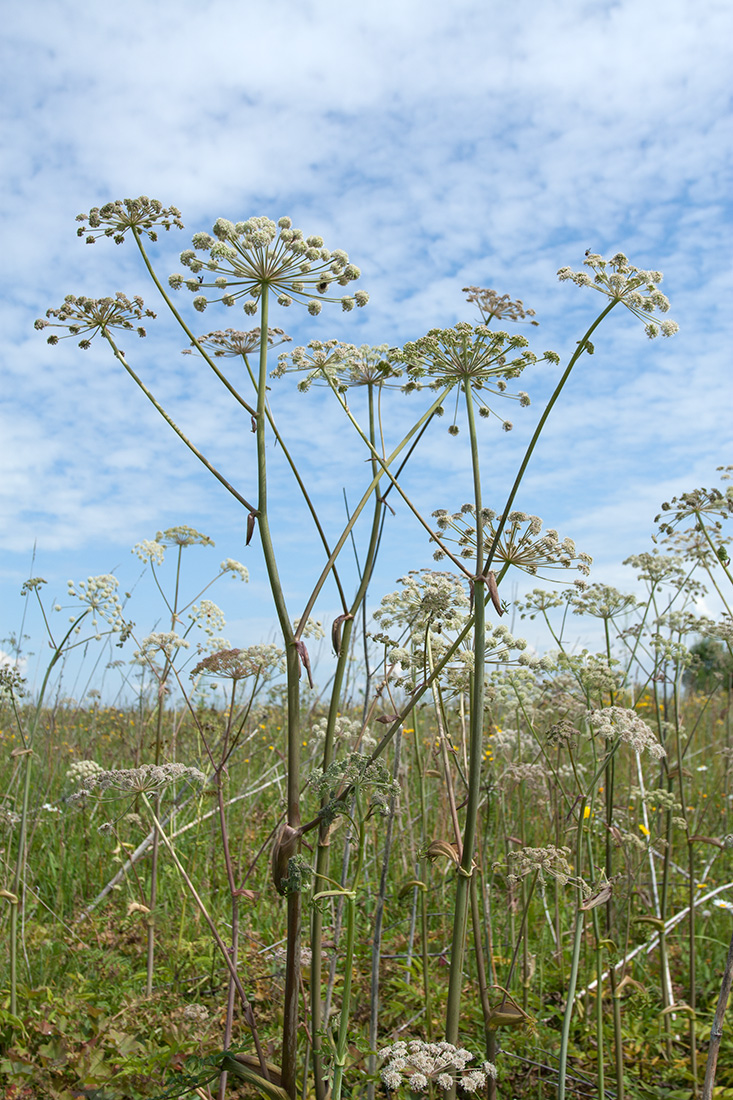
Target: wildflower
81	770
249	258
183	536
12	684
428	598
149	550
521	543
230	341
101	595
263	661
347	732
620	723
620	281
166	642
313	629
710	503
600	600
473	357
115	218
542	861
229	565
492	305
149	777
340	365
417	1064
208	615
86	317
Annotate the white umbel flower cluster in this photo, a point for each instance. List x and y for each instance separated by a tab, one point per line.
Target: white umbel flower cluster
416	1065
626	725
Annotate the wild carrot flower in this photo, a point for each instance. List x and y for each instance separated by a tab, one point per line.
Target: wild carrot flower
713	504
340	365
86	317
620	281
114	219
250	258
149	550
428	598
416	1065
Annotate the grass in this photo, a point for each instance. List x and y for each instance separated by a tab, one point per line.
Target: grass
84	1021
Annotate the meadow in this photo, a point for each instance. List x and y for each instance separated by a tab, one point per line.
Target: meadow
459	865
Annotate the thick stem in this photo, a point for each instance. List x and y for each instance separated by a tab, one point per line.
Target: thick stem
476	729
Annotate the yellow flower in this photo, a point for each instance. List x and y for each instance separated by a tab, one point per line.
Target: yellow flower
643	829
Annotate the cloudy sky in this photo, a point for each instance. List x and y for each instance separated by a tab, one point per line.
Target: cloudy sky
440	145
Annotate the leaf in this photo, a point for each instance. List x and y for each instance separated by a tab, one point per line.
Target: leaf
247	1068
654	921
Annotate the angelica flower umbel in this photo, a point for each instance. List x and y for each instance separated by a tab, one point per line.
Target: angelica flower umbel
232	342
416	1065
250	258
522	543
620	281
339	365
620	723
114	219
86	317
473	357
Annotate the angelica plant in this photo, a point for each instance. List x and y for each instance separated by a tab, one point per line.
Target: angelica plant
468	369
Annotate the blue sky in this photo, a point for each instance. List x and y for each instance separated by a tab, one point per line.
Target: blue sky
440	146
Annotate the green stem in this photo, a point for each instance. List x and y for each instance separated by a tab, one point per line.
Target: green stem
20	860
538	431
463	882
169	420
222	378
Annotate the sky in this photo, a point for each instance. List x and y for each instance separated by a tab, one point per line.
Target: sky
441	146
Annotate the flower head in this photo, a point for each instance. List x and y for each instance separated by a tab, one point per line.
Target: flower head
340	365
263	661
230	341
620	281
497	306
149	777
470	356
86	317
166	642
625	725
114	219
415	1064
183	535
522	543
249	258
100	593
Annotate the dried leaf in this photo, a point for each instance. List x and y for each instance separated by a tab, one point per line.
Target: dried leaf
286	845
